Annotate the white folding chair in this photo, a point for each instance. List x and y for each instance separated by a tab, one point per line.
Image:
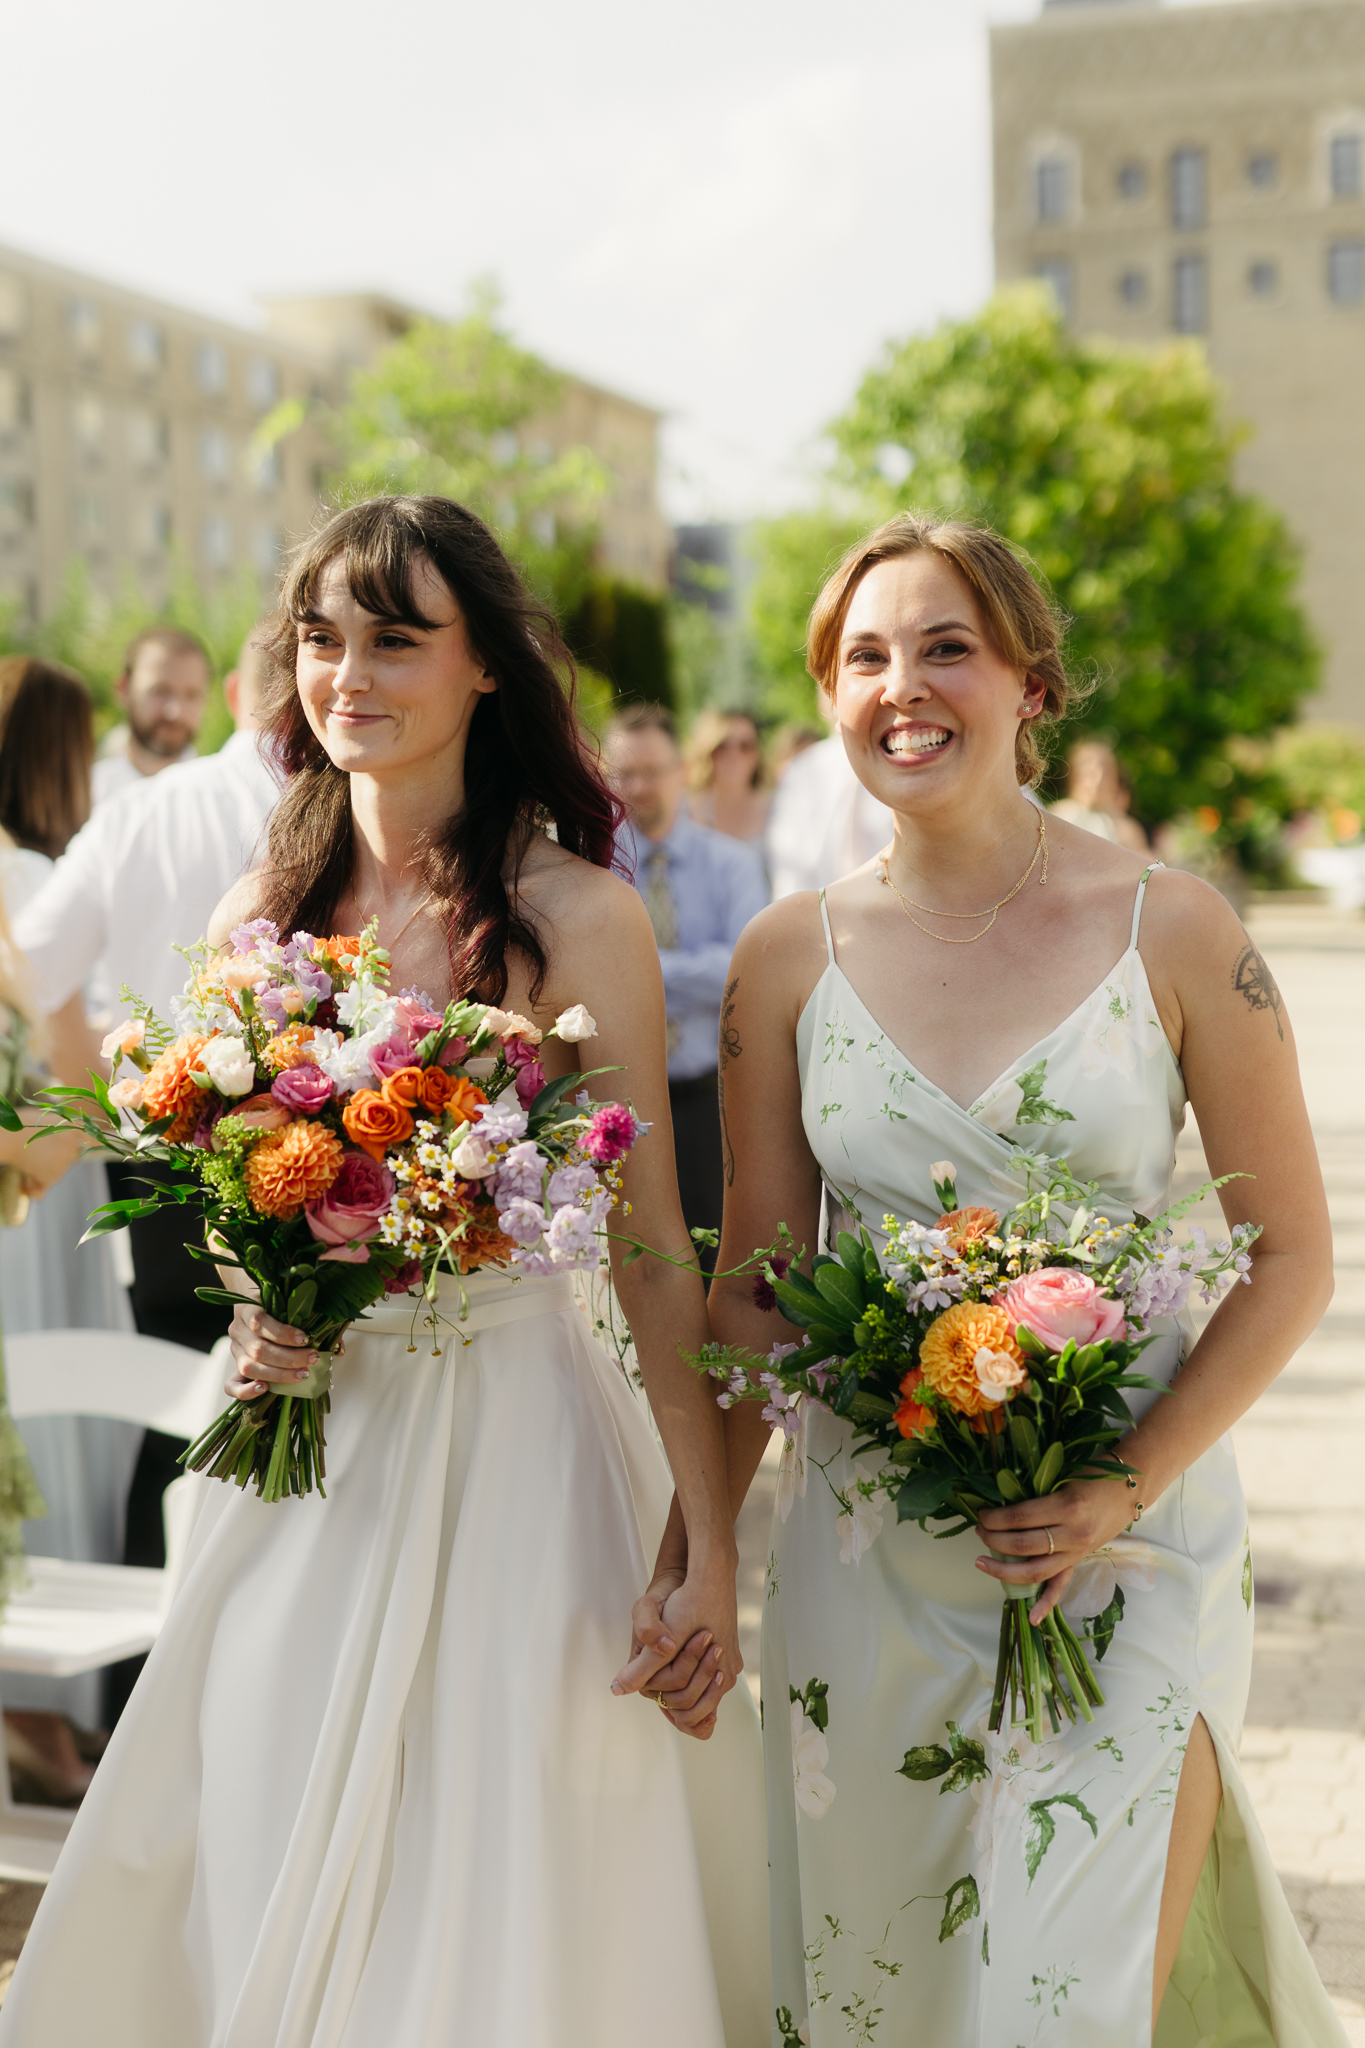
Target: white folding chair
79	1617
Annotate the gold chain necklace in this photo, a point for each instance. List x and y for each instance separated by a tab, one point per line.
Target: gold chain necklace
992	911
402	928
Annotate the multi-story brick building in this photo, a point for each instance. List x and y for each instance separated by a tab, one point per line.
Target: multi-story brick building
129	436
1201	171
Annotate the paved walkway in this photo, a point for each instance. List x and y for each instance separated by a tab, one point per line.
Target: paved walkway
1302	1454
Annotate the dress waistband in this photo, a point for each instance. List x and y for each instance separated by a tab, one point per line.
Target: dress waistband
483	1301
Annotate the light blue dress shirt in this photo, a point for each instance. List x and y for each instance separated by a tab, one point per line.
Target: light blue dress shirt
718	884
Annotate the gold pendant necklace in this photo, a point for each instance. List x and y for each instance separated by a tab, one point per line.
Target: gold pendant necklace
402	928
991	912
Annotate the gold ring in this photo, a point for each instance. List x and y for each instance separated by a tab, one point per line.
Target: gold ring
1051	1546
659	1698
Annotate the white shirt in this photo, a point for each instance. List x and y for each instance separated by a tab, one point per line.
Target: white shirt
823	822
114	772
145	875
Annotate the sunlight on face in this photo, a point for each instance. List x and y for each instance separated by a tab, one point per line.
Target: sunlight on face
387	698
924	697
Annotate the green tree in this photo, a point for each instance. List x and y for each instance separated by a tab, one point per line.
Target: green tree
1113	470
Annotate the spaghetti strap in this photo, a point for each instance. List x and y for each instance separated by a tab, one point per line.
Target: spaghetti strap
829	936
1146	876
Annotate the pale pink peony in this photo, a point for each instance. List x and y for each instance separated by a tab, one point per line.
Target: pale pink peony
1059	1306
350	1210
127	1094
243	970
998	1374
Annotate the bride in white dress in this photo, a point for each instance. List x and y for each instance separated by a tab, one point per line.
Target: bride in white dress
376	1785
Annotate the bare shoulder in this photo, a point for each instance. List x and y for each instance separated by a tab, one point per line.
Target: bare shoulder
1187	927
572	897
781	952
236	907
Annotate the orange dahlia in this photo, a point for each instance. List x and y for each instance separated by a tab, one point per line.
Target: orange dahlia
169	1091
291	1048
968	1226
948	1354
291	1167
911	1418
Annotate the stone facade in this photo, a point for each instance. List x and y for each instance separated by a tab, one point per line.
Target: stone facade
1201	170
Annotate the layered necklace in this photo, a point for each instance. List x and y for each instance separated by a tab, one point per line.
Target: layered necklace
990	913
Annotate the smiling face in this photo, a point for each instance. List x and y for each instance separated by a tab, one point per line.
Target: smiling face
384	697
928	706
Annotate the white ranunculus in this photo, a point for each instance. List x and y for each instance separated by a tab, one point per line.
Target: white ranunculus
860	1530
574	1024
229	1066
941	1170
1124	1561
810	1754
471	1157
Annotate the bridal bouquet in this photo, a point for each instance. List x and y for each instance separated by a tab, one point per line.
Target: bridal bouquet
344	1144
986	1359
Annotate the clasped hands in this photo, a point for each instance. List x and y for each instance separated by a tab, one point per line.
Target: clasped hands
675	1658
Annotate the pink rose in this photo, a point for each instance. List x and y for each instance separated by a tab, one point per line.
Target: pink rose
260	1113
417	1020
520	1054
455	1052
301	1090
1059	1306
387	1058
350	1210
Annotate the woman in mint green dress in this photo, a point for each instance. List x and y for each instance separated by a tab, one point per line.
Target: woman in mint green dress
1000	984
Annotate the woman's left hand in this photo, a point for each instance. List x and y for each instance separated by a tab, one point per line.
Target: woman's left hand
686	1645
1080	1517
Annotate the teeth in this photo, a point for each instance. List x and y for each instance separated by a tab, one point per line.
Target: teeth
924	742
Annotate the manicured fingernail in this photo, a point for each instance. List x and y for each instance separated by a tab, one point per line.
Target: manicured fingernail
312	1358
666	1645
616	1688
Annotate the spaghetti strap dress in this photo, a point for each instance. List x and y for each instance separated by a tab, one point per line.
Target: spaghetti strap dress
1013	1901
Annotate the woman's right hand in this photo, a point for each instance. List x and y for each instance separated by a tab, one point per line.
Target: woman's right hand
43	1163
267	1354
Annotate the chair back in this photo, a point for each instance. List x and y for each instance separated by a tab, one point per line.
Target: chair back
115	1374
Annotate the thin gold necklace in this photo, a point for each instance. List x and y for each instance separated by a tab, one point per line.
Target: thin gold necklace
991	912
402	928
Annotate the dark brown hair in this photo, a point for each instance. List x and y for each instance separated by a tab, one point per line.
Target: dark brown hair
173	638
47	742
1020	616
526	763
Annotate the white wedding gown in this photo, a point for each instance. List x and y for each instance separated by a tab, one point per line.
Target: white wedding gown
373	1789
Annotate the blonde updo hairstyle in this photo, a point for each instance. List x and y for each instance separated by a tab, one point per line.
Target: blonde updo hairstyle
1018	613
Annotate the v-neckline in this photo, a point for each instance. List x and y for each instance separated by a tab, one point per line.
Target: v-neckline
966	1109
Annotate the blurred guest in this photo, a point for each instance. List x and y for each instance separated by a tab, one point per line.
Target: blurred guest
700	888
725	776
1097	797
142	877
164	691
48	1279
791	740
823	823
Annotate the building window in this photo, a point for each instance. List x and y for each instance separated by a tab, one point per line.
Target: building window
14	404
210	367
267	469
267	545
218	541
148	439
1055	271
1343	166
1187	188
1263	169
215	456
155	527
1133	287
90	518
1187	295
1263	280
1052	189
13	308
1132	180
146	346
87	418
83	325
1346	273
16	501
262	383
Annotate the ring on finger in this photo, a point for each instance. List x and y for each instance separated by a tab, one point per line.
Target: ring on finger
1051	1546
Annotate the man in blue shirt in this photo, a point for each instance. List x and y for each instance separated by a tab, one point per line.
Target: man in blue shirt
700	889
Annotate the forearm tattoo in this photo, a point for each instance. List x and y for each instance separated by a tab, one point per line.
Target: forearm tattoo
1254	981
730	1049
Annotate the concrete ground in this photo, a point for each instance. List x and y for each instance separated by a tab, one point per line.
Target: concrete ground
1302	1455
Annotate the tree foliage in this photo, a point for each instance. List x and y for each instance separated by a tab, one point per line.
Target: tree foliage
1113	470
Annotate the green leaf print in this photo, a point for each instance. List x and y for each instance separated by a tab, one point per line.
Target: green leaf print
814	1698
1101	1626
986	1943
1248	1582
789	2034
961	1903
960	1765
1043	1828
1035	1107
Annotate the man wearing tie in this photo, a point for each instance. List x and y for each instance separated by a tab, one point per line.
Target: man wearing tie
700	889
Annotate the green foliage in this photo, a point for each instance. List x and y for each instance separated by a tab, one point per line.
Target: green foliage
1112	469
960	1765
621	632
1322	768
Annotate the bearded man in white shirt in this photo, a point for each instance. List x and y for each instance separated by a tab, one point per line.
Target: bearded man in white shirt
164	691
141	877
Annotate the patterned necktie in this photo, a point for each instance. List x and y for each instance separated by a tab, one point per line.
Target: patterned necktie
663	915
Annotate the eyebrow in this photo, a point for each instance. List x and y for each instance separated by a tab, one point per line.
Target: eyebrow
936	626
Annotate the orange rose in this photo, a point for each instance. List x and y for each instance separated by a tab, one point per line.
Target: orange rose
948	1354
911	1418
373	1123
293	1166
462	1098
169	1091
968	1226
340	949
403	1090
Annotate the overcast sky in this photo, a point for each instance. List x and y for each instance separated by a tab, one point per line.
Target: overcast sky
724	209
